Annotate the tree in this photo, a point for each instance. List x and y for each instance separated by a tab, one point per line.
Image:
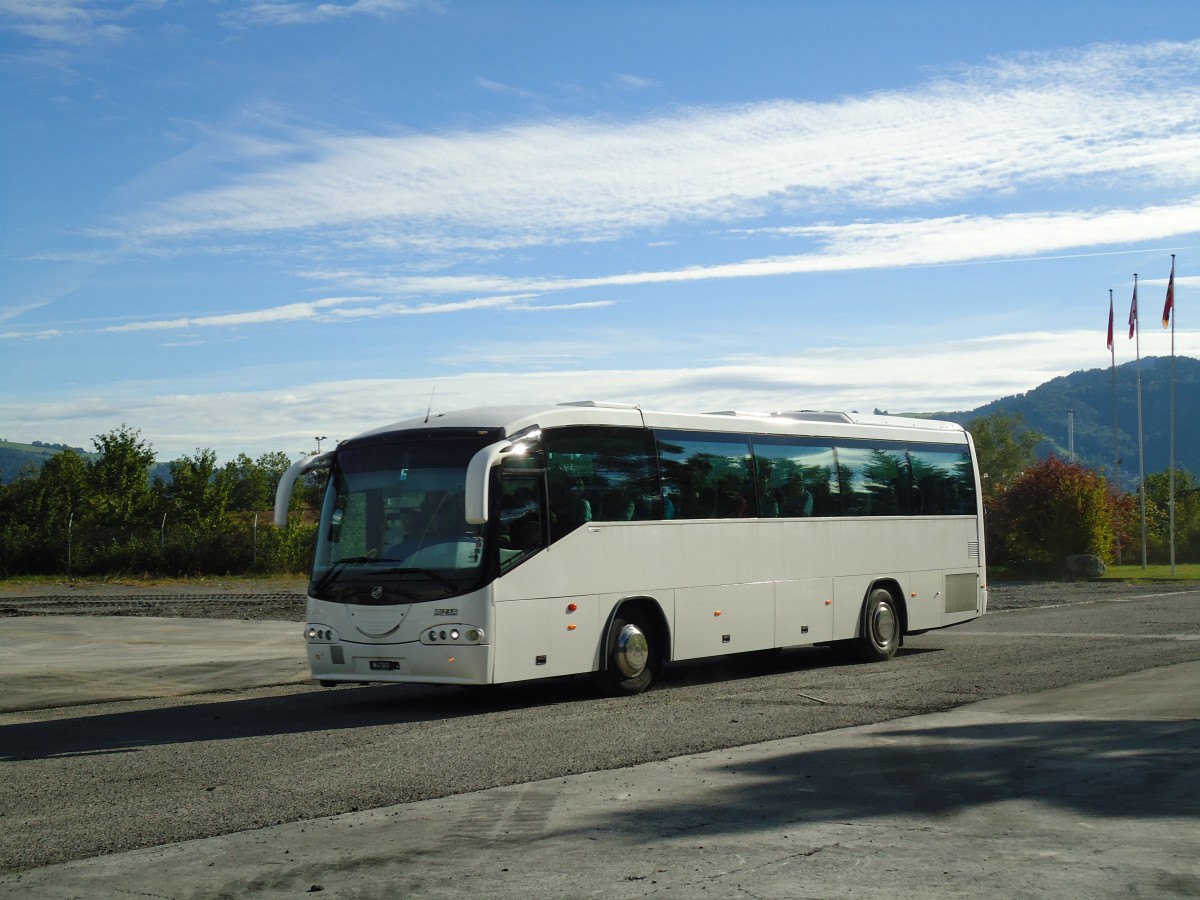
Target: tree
1053	510
62	489
1004	448
252	483
120	478
196	496
1187	516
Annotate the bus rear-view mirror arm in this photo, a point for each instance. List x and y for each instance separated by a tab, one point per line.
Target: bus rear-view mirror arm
477	480
283	493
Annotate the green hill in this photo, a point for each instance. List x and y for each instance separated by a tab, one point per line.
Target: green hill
15	458
1090	395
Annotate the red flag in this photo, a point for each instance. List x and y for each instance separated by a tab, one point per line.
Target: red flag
1133	312
1170	304
1110	321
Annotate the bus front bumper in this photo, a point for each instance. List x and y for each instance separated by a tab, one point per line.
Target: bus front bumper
408	663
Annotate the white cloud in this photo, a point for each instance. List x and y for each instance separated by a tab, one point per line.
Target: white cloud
947	240
908	379
68	21
859	246
290	312
497	87
285	13
635	82
84	21
1039	122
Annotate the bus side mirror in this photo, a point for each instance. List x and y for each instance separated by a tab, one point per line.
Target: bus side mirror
477	481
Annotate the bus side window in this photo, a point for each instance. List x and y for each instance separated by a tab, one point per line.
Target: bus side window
707	475
945	479
875	481
600	474
796	479
522	525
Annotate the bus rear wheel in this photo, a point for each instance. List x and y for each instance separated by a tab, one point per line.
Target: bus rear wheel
632	657
880	638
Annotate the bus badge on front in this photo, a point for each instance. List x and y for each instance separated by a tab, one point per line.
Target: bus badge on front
376	592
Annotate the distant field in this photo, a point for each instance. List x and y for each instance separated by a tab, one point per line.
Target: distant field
28	448
16	457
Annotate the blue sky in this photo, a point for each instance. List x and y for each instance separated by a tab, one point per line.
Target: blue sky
238	226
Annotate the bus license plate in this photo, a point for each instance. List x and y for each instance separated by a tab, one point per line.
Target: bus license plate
384	665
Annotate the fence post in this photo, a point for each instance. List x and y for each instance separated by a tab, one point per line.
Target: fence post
254	562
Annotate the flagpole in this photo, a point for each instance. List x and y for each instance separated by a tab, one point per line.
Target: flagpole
1137	335
1168	314
1112	350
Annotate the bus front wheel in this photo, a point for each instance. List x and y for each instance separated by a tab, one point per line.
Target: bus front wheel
632	657
880	636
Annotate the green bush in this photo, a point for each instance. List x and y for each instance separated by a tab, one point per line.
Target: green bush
1053	510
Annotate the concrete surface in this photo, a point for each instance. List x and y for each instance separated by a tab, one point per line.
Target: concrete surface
1086	791
51	661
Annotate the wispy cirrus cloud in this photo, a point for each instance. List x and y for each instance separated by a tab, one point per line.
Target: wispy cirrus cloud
946	240
296	13
70	21
290	312
333	309
1041	123
83	21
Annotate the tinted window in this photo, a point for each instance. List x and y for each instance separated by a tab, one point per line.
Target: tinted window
795	480
943	480
522	530
874	481
601	475
706	476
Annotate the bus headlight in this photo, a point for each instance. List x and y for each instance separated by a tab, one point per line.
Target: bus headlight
458	634
320	634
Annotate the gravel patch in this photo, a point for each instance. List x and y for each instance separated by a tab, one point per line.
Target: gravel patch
275	599
1006	595
286	601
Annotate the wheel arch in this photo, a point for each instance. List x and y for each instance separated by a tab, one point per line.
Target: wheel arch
652	610
892	586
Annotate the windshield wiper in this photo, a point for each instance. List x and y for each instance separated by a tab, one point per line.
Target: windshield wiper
337	566
326	579
428	573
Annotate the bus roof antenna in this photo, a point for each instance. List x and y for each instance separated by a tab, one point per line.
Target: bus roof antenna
430	408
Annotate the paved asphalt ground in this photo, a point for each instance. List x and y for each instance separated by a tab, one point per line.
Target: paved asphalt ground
1087	790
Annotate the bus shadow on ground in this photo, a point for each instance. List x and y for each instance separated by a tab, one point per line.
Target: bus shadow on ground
352	706
1132	769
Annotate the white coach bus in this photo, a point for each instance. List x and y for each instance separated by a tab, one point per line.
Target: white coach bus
508	543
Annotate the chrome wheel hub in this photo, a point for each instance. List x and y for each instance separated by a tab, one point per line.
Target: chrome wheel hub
883	625
632	651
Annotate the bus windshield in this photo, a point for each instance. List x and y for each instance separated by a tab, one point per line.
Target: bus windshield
393	526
